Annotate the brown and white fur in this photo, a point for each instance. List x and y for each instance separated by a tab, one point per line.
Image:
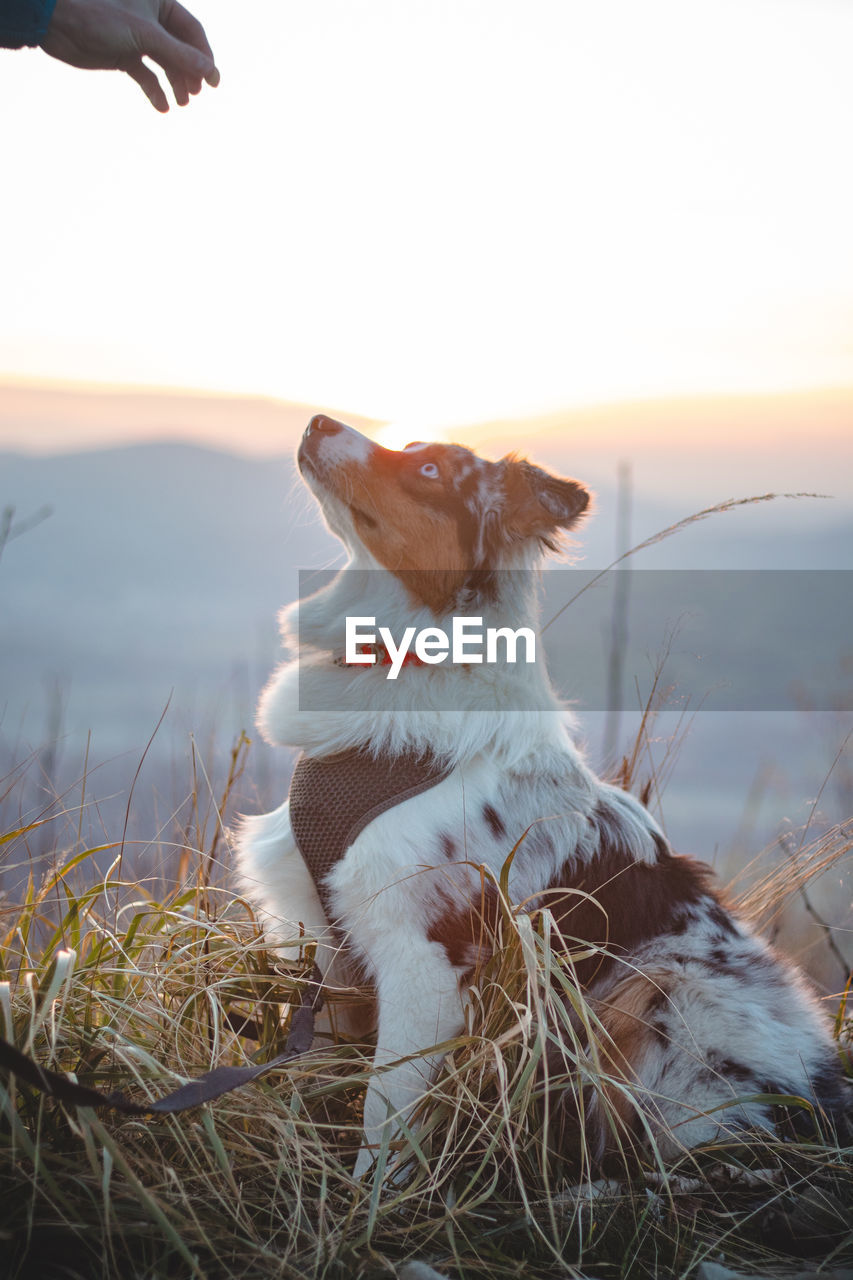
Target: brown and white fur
696	1010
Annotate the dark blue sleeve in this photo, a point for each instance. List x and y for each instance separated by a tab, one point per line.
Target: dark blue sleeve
24	22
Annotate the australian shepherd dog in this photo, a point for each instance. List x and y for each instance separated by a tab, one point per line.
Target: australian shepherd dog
697	1016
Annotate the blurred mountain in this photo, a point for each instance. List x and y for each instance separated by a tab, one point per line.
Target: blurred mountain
44	417
160	568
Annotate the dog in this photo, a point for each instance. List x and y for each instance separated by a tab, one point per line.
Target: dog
695	1013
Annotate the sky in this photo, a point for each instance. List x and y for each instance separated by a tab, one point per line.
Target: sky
627	221
444	211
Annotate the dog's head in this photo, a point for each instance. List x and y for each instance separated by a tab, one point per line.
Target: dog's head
435	514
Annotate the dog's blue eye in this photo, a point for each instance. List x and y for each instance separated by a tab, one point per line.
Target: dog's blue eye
430	470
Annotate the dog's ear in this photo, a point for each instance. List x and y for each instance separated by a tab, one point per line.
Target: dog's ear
539	504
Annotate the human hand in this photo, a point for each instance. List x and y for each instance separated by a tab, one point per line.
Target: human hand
115	35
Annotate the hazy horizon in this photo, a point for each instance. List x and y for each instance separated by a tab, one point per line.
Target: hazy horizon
706	448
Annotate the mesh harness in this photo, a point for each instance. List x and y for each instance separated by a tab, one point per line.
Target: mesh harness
333	799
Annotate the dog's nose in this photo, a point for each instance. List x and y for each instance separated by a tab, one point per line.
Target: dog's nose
326	425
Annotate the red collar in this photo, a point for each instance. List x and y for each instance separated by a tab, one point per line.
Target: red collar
382	656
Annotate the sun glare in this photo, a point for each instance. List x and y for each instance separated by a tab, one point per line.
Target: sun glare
396	435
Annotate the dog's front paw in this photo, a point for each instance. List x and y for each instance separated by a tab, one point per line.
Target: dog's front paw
396	1172
364	1162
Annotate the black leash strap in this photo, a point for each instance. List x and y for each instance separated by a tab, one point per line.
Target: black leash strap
204	1089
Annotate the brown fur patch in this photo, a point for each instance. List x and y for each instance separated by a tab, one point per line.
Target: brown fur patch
466	932
538	503
627	1035
416	543
623	903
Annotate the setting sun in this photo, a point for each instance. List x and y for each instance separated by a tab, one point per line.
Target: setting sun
396	435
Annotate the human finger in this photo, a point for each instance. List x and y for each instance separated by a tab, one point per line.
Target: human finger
177	58
179	87
186	27
148	83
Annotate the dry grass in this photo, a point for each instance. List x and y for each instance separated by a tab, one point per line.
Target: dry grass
129	990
